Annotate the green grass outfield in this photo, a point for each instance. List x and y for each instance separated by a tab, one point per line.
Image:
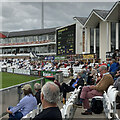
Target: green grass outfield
9	79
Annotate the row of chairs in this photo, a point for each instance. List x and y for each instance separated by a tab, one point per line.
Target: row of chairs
65	72
109	103
34	112
67	110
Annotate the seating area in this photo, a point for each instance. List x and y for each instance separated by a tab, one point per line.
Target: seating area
67	110
33	113
109	103
65	72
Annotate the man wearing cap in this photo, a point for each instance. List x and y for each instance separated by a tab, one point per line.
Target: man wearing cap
26	104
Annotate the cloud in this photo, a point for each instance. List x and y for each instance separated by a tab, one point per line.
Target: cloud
27	15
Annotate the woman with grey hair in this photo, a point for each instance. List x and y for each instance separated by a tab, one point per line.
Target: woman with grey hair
49	98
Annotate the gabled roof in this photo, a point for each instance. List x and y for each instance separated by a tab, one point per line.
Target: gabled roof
102	13
112	9
31	32
82	20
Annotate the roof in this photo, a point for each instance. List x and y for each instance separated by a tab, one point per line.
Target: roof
111	10
82	20
31	32
102	13
4	33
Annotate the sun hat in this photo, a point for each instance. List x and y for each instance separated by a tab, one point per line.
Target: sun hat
26	87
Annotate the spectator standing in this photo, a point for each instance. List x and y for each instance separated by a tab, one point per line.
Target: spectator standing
49	98
37	88
26	104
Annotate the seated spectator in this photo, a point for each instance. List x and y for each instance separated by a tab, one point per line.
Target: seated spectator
103	63
74	83
117	73
91	76
57	83
26	104
115	54
113	67
95	90
49	98
38	92
117	85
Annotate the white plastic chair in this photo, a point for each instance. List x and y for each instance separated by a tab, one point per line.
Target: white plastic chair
68	109
62	113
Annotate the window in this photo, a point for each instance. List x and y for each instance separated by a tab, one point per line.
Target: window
97	42
113	36
20	39
13	50
4	51
119	37
1	40
40	38
91	40
30	38
51	37
21	50
44	37
0	51
51	48
36	38
9	51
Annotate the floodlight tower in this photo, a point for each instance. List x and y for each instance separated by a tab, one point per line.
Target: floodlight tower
42	15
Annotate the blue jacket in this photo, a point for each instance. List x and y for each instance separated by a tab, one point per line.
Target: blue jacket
113	67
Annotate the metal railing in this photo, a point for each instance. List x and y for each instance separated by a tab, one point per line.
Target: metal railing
11	96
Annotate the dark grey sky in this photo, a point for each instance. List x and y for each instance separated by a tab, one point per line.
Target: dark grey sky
17	16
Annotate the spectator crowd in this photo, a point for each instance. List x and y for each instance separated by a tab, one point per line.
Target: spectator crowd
94	79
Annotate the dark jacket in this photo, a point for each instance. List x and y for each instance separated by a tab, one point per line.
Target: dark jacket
79	83
37	95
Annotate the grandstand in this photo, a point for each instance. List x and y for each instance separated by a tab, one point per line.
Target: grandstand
20	44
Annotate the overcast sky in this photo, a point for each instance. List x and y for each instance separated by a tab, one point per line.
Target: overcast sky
16	16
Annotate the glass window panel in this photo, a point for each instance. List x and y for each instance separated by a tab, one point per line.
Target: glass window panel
21	50
119	37
44	37
1	40
113	36
40	38
91	40
36	38
0	51
97	42
51	37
